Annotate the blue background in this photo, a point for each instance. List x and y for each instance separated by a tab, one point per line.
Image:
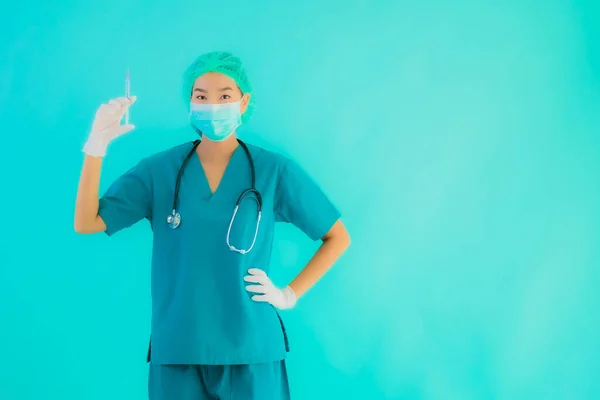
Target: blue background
460	140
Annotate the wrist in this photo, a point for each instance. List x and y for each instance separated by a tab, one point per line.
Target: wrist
95	146
290	296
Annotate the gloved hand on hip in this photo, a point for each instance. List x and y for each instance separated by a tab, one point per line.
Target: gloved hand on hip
107	126
267	292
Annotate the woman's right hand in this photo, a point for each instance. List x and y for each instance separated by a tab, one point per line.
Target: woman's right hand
107	125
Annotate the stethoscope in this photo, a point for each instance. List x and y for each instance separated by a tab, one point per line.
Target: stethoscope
174	219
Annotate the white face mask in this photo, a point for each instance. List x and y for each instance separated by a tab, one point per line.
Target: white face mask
216	121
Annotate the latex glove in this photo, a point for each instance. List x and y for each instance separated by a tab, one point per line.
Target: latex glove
107	126
266	291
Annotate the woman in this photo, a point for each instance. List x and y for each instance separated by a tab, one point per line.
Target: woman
216	331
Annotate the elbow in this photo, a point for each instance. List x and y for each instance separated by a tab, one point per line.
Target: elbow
86	219
81	226
339	235
346	239
343	236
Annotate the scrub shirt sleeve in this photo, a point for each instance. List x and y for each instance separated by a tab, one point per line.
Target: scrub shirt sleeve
300	201
128	200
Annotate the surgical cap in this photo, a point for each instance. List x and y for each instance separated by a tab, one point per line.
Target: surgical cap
226	64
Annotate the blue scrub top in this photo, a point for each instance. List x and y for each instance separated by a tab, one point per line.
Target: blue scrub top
201	311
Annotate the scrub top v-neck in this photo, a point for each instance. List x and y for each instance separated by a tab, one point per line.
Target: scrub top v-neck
201	312
210	194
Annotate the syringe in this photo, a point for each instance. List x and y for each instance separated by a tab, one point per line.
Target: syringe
127	94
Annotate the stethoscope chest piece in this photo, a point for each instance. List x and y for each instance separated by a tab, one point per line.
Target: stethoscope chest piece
174	219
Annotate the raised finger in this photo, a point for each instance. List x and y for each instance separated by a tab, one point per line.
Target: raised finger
115	103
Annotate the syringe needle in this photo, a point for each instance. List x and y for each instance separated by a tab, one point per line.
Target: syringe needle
127	94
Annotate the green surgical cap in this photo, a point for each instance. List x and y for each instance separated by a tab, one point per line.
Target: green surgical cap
226	64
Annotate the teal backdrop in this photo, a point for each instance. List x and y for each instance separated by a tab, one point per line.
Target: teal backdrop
460	139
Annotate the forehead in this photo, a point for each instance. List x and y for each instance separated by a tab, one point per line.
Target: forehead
214	80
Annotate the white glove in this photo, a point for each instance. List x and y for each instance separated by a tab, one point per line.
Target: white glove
268	292
107	126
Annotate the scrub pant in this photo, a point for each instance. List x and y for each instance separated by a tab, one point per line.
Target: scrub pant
267	381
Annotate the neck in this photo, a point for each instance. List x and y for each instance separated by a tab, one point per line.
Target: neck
217	151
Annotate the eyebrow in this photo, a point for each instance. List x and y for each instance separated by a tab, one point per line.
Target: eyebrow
221	90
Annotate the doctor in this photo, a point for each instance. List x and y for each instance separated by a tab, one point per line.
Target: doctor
212	205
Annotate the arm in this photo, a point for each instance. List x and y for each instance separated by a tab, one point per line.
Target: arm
87	219
335	243
300	201
105	128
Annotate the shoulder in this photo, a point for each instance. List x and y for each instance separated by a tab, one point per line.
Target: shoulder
156	166
283	169
269	160
175	153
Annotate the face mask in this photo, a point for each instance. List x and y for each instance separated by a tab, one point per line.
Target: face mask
216	121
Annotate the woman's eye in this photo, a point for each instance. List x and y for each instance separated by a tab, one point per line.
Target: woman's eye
200	97
225	97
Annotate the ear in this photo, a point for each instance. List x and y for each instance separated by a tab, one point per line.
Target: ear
244	103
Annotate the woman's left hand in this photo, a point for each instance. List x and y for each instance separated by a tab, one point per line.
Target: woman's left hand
267	291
